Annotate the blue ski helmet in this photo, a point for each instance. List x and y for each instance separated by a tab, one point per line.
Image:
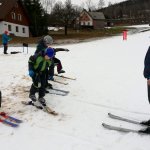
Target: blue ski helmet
49	52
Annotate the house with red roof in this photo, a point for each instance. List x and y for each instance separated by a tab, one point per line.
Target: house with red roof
13	18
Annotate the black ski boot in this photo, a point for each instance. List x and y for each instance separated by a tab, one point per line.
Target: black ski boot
147	123
42	101
147	130
32	97
49	86
46	91
61	71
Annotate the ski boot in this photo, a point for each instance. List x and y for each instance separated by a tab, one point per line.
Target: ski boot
42	101
147	123
61	71
32	97
49	86
46	91
147	130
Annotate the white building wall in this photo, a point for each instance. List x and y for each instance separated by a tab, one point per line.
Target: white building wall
4	26
87	23
2	29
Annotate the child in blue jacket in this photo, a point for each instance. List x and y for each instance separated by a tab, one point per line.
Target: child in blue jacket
5	40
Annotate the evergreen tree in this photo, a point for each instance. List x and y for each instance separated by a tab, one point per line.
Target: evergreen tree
38	17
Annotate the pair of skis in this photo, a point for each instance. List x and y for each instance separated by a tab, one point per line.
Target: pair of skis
58	92
146	130
9	120
65	77
44	108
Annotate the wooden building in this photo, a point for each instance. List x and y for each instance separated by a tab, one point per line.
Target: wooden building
95	20
13	18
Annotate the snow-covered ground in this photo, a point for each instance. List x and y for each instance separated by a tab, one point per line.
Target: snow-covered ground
110	78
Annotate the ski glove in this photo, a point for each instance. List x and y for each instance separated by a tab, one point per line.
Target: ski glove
67	50
31	73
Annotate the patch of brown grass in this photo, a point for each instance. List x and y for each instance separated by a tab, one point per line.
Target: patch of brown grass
72	34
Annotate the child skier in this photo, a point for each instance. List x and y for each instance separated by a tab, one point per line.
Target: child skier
38	64
45	42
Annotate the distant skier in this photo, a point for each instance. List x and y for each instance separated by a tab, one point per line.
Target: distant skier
38	64
5	40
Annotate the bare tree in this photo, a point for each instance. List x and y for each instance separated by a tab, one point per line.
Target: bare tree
48	5
90	5
64	14
101	4
109	3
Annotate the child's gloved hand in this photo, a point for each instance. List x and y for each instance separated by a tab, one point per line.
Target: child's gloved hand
67	50
31	73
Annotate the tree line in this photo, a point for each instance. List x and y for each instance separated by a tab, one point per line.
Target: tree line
44	13
133	10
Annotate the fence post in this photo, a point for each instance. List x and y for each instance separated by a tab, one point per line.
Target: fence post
125	35
25	45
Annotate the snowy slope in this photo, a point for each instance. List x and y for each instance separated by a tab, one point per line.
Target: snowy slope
110	78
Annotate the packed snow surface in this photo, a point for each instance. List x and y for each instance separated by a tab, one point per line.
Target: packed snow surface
110	78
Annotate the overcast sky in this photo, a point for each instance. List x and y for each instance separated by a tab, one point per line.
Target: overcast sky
79	2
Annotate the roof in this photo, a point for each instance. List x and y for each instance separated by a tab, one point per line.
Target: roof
96	15
6	6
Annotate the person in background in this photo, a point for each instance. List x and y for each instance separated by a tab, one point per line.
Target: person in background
147	71
147	76
38	64
5	40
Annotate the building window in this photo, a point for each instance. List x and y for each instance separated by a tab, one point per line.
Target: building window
19	17
23	30
17	29
9	27
13	15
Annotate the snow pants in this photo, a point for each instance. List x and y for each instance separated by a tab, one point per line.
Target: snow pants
39	82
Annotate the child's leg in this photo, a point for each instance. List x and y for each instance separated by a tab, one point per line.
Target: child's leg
59	65
43	83
34	87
